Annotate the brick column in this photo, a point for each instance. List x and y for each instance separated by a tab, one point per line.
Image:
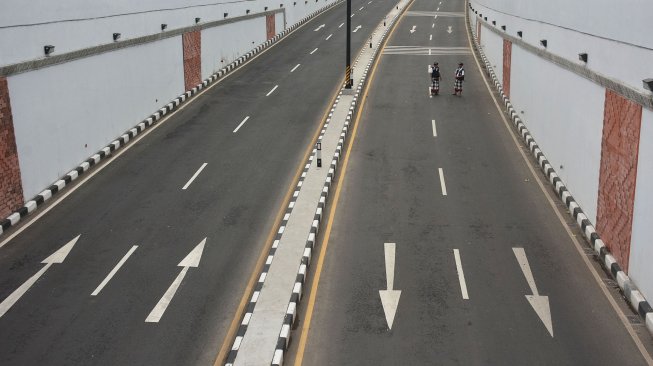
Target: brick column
269	26
11	188
192	44
507	61
617	178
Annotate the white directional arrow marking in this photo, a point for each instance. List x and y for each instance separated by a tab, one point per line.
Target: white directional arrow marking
539	303
318	28
56	257
390	297
413	29
449	30
191	260
357	28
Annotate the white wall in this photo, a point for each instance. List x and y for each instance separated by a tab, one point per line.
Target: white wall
641	247
493	48
230	41
568	128
59	110
628	63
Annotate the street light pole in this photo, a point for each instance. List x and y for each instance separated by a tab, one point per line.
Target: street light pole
348	81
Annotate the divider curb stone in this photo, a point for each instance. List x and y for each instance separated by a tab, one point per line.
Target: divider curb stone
630	292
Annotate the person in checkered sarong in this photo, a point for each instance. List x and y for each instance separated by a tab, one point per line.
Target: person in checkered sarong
459	78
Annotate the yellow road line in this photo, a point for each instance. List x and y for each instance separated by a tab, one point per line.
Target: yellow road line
327	232
240	311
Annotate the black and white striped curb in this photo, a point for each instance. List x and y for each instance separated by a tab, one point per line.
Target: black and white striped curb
298	289
57	186
634	297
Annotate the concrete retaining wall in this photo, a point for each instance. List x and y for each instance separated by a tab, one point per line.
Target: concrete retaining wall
594	120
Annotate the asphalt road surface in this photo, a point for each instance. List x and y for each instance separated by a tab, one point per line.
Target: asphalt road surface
438	203
169	232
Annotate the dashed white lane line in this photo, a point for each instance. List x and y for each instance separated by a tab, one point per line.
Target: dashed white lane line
438	9
272	91
195	175
430	37
327	38
340	26
369	2
295	68
444	187
433	25
114	270
312	52
361	8
352	15
461	274
435	132
241	124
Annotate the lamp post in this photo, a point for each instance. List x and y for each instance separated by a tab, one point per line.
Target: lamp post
348	81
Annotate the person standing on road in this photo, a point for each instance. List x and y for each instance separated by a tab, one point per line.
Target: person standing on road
435	78
459	78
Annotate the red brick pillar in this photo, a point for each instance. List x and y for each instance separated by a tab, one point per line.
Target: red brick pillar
507	61
192	44
269	26
617	178
11	189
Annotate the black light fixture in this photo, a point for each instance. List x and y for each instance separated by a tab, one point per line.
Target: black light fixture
197	20
543	42
648	84
48	49
266	8
281	5
247	11
583	57
294	3
519	33
503	27
485	18
494	22
163	26
226	15
116	37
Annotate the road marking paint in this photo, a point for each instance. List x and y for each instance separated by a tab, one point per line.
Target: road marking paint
340	26
295	68
361	8
312	294
429	52
433	25
435	133
195	175
444	187
438	9
241	124
312	52
352	15
430	38
327	38
318	28
272	91
461	274
369	2
114	270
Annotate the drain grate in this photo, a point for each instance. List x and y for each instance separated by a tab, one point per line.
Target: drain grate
610	283
634	319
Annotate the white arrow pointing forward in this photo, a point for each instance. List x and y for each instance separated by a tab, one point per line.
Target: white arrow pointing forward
56	257
357	28
191	260
413	29
539	303
318	28
390	297
449	30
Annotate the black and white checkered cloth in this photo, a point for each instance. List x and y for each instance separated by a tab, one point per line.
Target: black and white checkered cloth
458	85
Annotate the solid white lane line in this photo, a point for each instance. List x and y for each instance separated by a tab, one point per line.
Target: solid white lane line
194	176
430	37
272	91
295	68
444	187
327	38
312	52
114	270
340	26
461	274
435	133
241	124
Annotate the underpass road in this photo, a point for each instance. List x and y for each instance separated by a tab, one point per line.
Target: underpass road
138	200
457	196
